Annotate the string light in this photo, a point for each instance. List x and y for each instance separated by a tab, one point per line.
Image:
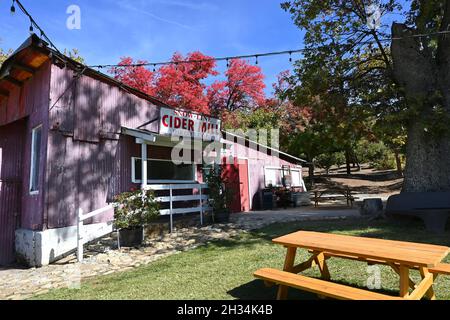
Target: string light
13	9
290	52
256	59
33	24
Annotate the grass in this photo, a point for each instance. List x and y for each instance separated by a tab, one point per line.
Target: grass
223	269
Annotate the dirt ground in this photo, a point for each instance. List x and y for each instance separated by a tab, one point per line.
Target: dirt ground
366	181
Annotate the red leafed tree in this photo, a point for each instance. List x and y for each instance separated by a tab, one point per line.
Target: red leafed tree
137	77
242	89
181	85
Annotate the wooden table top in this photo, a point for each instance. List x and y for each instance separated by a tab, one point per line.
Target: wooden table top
406	253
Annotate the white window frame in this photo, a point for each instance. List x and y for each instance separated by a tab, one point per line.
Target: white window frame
296	169
300	176
32	167
271	168
149	181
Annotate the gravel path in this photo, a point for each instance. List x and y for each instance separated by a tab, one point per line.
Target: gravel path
102	258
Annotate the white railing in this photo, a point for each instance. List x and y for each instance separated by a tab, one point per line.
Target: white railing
81	235
200	197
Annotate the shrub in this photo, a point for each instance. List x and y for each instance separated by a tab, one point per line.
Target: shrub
134	209
327	160
220	197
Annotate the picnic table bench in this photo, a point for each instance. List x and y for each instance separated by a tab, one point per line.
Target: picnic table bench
433	208
333	194
401	256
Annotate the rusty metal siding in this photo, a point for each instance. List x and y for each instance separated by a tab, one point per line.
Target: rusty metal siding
80	175
89	162
88	102
29	103
11	157
37	104
9	212
90	109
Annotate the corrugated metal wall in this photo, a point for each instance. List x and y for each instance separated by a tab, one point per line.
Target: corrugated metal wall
88	160
257	160
11	155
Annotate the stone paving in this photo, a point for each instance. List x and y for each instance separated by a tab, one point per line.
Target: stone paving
102	258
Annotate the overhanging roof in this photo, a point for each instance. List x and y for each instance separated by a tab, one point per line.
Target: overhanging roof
281	153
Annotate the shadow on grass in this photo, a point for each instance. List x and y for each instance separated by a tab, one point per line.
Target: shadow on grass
256	290
398	229
402	230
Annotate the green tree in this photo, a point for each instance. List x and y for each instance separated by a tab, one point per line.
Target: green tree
407	81
4	54
74	54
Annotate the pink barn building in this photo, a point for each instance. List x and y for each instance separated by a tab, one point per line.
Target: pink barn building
72	138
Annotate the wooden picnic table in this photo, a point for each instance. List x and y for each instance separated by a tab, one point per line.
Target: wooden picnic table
333	194
401	256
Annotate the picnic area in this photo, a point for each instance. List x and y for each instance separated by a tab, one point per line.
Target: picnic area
224	269
225	150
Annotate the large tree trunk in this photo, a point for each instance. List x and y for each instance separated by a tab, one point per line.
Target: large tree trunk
423	78
347	162
427	161
311	168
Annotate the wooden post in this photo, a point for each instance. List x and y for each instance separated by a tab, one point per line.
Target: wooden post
321	262
79	235
430	292
171	208
144	165
288	266
404	281
201	204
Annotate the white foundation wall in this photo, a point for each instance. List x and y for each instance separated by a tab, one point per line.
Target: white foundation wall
40	248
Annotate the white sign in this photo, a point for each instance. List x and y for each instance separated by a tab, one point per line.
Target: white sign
181	122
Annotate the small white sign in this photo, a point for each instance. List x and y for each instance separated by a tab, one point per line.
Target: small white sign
196	125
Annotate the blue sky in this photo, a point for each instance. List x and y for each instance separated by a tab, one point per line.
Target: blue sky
154	29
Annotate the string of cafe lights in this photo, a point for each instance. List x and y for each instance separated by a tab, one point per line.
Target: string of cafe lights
33	25
255	56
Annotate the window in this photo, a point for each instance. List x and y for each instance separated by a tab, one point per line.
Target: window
273	176
296	178
36	134
162	171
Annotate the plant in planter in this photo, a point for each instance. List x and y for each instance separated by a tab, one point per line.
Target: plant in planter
133	210
220	197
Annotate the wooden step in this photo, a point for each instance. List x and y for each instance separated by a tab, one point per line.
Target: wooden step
441	268
325	288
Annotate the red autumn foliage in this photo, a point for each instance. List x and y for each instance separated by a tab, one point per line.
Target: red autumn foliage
182	85
243	88
136	77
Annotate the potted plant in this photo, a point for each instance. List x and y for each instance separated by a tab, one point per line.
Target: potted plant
220	197
133	210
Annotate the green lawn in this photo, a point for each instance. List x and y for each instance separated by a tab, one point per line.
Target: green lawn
223	269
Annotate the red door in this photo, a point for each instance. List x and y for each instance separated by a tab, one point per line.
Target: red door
243	185
230	174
